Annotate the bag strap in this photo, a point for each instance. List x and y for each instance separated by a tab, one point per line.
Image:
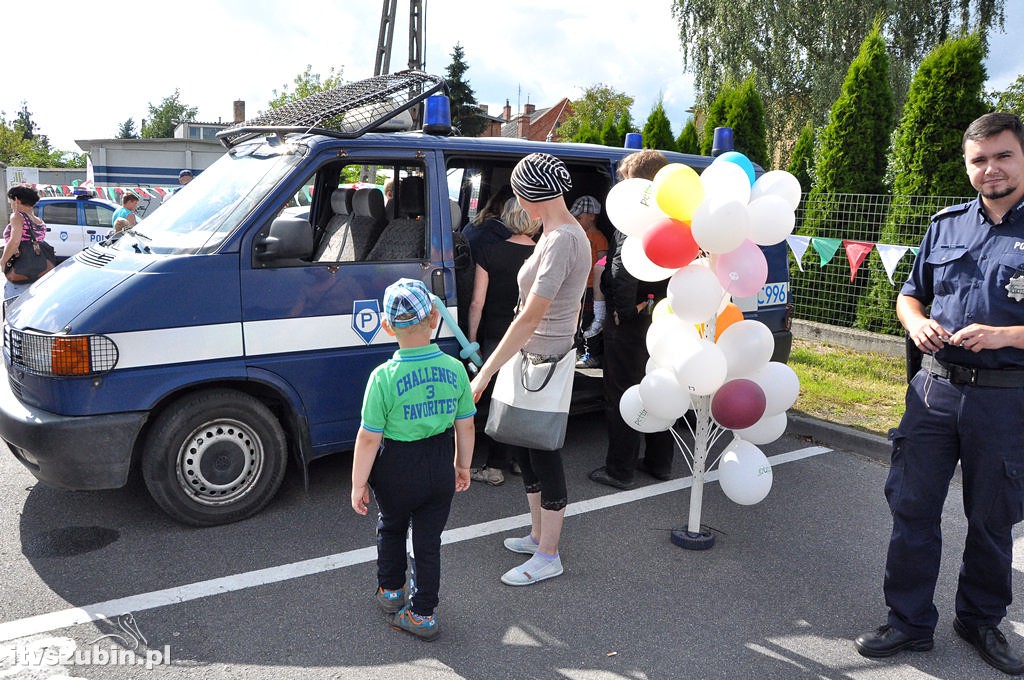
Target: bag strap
30	224
552	366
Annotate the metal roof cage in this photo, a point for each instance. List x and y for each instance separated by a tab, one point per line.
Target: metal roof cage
348	111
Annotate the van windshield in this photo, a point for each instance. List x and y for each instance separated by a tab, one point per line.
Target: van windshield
199	216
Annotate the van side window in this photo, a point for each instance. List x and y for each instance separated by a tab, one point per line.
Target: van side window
63	213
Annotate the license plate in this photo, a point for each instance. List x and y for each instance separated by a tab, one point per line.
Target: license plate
771	294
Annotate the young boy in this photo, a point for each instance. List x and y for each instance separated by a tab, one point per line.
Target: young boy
404	451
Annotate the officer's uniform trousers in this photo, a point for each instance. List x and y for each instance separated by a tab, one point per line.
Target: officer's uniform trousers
981	427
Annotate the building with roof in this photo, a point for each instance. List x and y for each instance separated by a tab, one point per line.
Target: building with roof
532	123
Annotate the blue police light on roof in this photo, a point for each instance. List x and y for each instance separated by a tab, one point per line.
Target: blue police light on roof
721	141
634	140
437	120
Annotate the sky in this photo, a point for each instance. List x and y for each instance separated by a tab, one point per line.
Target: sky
88	68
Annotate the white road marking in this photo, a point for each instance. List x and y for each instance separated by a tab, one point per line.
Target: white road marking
44	623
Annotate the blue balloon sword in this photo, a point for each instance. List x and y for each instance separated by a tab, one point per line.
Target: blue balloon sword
470	350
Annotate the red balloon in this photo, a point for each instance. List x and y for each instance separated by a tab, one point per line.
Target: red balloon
738	404
668	243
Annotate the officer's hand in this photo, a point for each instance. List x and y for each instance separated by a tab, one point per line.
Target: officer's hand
977	337
929	336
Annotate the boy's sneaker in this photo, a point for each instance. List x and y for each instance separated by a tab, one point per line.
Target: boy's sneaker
588	361
525	545
535	569
390	600
423	627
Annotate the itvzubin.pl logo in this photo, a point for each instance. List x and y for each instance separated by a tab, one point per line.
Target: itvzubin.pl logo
127	647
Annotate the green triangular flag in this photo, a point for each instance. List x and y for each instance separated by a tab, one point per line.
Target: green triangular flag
826	248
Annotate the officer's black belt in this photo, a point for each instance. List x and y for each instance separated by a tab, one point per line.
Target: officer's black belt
967	375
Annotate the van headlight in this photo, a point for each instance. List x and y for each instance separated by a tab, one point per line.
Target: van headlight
60	356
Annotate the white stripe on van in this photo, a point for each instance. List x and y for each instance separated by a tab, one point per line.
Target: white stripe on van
253	338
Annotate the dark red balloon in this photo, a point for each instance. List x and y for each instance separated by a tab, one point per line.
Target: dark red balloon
738	404
668	243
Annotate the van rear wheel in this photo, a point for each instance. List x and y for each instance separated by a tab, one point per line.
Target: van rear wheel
214	457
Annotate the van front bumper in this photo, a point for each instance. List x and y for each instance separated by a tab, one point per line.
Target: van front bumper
82	453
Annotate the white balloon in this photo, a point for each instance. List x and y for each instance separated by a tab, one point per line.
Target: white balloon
636	415
719	227
747	346
666	334
652	365
694	293
771	220
636	262
744	473
663	396
631	206
725	182
700	367
766	430
780	384
778	183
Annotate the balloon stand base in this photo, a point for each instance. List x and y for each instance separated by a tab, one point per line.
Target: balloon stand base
691	541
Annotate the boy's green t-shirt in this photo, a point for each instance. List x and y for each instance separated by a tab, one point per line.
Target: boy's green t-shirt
418	393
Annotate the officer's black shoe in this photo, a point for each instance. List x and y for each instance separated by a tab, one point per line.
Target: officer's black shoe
887	641
992	646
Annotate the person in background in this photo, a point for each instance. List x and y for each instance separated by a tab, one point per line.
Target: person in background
586	209
487	227
625	354
184	177
404	451
551	286
129	202
120	224
23	200
495	294
963	307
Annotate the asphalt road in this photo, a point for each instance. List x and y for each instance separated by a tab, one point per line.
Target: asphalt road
287	594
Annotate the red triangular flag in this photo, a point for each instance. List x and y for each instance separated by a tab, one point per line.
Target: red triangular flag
856	253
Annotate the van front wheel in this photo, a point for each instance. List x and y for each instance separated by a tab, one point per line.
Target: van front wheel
214	457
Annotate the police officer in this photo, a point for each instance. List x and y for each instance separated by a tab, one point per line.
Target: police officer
625	354
966	404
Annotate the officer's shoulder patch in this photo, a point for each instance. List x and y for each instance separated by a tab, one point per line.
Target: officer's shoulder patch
953	210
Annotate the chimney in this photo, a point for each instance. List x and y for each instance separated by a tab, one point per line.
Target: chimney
528	109
483	108
239	110
508	111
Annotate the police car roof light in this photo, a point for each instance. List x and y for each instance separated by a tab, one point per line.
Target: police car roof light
437	119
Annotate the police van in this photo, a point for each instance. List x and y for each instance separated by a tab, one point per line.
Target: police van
233	329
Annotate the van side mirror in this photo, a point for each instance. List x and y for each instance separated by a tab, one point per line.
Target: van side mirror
289	238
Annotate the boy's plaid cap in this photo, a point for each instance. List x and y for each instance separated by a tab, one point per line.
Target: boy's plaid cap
585	204
408	299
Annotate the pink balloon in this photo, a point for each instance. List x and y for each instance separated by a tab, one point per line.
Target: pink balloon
742	271
738	404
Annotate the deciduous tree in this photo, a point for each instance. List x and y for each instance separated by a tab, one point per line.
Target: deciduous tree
164	117
598	102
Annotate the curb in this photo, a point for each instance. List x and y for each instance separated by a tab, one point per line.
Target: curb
840	437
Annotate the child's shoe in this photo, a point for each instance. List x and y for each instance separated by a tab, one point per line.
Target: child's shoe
390	600
423	627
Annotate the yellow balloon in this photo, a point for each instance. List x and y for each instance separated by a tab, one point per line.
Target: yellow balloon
678	191
661	309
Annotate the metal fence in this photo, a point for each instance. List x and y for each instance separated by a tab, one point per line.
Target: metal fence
836	230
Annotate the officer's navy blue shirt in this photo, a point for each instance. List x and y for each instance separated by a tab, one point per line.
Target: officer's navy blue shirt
962	270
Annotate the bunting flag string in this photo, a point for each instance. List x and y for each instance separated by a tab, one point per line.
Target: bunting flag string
110	193
856	252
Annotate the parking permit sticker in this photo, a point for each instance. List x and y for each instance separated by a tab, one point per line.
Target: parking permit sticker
366	319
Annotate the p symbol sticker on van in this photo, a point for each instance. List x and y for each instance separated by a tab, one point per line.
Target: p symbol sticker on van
366	319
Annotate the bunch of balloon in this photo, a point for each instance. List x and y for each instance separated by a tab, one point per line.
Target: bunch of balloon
702	233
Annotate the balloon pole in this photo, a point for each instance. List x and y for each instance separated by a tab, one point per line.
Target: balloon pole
694	537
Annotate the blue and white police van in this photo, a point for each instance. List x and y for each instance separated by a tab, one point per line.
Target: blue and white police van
233	329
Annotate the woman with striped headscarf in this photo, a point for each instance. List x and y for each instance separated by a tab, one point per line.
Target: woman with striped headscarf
551	284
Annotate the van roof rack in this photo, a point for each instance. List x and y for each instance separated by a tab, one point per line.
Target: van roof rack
348	111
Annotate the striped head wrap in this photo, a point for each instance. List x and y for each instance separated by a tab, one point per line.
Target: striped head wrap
540	177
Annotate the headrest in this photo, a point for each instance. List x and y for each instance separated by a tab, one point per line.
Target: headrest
341	200
456	214
368	203
410	197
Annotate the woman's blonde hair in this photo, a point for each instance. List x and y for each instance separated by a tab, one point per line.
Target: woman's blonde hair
516	219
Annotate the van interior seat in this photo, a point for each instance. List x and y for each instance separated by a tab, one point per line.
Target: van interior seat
404	237
336	242
366	222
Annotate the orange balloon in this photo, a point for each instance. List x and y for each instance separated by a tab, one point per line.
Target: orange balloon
730	315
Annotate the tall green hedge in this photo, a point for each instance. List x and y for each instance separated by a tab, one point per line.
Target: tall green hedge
802	161
946	94
687	142
745	115
851	160
658	130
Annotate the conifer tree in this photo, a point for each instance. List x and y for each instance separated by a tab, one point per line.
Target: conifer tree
465	110
946	94
687	142
802	162
658	130
851	160
745	115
